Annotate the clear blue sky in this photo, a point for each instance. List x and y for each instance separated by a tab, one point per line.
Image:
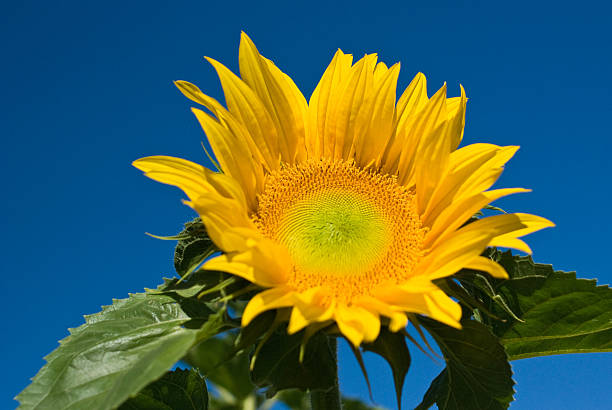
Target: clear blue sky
87	88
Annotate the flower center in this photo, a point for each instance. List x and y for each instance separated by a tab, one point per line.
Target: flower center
334	231
346	229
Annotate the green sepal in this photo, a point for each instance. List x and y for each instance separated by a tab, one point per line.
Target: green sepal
392	347
194	247
178	389
468	300
359	358
278	366
256	329
477	374
205	284
217	360
494	208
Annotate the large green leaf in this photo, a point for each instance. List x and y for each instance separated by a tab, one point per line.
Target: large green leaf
119	351
544	312
561	314
477	374
178	389
278	367
392	347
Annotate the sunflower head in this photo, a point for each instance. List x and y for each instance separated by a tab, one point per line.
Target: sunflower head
343	209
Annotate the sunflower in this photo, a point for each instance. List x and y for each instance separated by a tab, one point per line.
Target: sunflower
344	209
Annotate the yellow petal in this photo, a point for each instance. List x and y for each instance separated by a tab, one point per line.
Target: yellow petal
380	72
459	212
248	108
531	223
413	98
487	265
444	309
227	224
479	152
473	176
411	101
434	304
357	324
192	187
398	320
323	101
187	175
400	298
265	263
456	118
432	149
483	177
371	143
267	300
350	110
278	94
514	243
464	245
233	156
192	178
297	321
454	253
413	284
313	305
433	153
233	125
299	107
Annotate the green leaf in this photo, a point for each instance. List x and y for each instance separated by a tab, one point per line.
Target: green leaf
561	314
194	247
486	303
520	267
118	351
295	399
278	367
299	400
256	329
220	360
356	404
467	299
179	389
216	359
392	347
477	374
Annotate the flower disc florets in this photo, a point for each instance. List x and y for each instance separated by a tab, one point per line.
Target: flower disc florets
347	229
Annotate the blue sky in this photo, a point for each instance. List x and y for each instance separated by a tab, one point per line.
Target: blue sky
87	88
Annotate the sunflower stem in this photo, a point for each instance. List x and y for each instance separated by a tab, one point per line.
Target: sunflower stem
329	399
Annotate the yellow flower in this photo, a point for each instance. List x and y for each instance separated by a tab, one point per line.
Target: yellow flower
345	208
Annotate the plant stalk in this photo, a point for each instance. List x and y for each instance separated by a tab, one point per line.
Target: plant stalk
329	399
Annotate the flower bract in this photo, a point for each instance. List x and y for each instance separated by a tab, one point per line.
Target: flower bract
344	209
